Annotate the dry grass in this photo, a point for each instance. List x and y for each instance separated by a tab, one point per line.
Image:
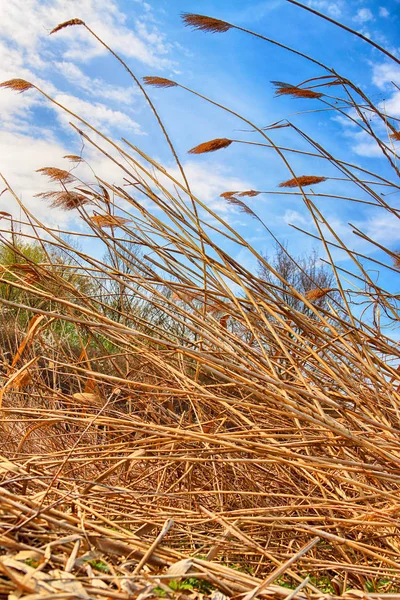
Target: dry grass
150	413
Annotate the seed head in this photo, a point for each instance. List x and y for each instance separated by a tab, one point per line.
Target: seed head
73	158
317	293
288	89
249	193
19	85
55	174
69	23
396	260
211	146
302	181
240	204
108	220
159	82
395	136
228	194
203	23
65	200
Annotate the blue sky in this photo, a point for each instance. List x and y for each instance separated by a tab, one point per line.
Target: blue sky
232	68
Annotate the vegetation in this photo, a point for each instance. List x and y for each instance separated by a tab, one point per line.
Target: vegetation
164	403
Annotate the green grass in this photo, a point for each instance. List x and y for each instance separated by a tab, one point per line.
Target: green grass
99	565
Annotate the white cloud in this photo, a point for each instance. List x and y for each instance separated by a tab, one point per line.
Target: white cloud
366	146
392	105
95	86
333	9
383	228
97	114
207	182
383	75
383	12
30	33
293	216
363	15
20	157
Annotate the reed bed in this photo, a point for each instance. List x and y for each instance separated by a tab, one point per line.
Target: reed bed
166	415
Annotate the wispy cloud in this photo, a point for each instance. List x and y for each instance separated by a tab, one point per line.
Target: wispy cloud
363	15
333	9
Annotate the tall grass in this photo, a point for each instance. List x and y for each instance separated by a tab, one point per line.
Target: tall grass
168	382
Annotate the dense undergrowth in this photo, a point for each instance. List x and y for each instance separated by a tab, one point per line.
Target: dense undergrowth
163	402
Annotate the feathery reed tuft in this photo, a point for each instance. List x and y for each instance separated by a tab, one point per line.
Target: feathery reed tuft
249	193
65	200
55	174
395	136
317	293
240	204
228	194
396	260
294	91
302	181
19	85
159	82
108	220
203	23
69	23
73	157
211	146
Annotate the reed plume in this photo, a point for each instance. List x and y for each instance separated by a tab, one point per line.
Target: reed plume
65	24
249	193
65	199
302	181
228	194
55	174
19	85
203	23
240	204
211	146
159	82
317	293
108	220
294	91
73	158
